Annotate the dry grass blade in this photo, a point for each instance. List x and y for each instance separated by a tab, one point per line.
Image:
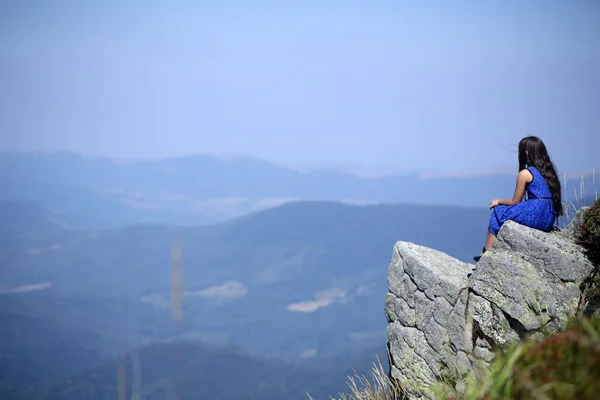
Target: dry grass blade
380	387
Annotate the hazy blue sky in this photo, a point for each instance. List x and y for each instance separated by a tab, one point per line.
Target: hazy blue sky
403	84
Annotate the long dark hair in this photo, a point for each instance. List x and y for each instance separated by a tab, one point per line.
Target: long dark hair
532	152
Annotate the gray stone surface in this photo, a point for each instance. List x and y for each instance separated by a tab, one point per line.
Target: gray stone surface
533	277
426	306
443	325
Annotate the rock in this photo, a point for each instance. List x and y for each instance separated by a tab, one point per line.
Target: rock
443	325
426	306
533	277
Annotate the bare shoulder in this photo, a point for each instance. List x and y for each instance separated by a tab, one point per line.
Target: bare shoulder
525	176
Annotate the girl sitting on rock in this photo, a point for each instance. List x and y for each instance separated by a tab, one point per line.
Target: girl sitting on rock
538	179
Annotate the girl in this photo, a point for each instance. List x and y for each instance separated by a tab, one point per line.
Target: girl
537	177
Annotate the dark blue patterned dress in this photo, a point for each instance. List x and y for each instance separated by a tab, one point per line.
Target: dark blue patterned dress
537	211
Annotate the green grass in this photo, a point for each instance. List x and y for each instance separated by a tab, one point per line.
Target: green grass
588	237
562	366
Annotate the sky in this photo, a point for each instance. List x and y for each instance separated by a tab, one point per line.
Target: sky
373	85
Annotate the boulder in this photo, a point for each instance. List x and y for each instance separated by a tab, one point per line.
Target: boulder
425	307
444	323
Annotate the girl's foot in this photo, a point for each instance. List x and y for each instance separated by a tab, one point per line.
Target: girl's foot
477	258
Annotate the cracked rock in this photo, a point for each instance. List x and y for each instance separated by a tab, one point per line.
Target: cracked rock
426	311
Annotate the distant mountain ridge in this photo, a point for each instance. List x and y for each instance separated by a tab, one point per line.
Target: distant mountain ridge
19	218
100	193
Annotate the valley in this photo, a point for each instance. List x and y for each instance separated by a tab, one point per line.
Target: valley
302	283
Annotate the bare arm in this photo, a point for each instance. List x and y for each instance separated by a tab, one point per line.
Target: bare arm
523	179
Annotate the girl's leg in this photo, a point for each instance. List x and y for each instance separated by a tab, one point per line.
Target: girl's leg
495	222
489	240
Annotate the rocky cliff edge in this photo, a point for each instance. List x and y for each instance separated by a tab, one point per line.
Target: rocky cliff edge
446	319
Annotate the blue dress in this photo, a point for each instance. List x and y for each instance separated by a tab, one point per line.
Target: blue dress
537	211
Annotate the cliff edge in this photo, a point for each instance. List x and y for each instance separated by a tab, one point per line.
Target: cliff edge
446	319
